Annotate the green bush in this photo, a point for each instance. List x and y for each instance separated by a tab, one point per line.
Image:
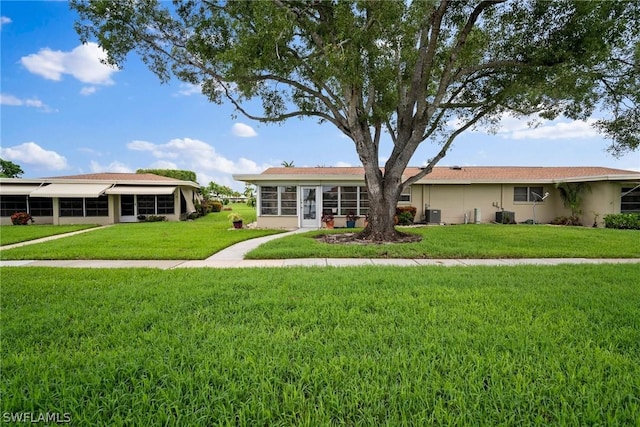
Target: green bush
21	218
566	220
625	221
216	205
407	209
405	218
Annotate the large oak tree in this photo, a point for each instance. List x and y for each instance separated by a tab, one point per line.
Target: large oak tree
415	70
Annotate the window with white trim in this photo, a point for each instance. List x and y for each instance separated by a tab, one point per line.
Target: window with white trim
41	206
348	200
288	200
156	204
345	200
84	207
166	204
405	196
269	200
12	204
528	194
279	200
630	200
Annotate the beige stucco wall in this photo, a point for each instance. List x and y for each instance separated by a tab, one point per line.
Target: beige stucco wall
454	201
545	211
277	221
38	220
603	199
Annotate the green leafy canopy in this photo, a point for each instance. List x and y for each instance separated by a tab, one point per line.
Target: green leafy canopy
381	63
422	70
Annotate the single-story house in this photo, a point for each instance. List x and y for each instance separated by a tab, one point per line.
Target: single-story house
99	198
298	197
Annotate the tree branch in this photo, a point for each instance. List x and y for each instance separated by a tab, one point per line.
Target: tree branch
443	151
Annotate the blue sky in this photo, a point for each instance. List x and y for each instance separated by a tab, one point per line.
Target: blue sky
64	113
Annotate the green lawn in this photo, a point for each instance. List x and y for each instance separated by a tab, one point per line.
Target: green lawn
154	240
469	241
10	234
527	345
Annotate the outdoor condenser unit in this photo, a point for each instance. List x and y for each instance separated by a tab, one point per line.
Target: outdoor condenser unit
433	216
505	217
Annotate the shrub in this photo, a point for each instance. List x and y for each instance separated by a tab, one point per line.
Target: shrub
411	209
216	205
566	220
21	218
625	221
155	218
405	218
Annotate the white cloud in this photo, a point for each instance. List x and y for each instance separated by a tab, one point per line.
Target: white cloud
140	145
14	101
32	154
163	164
10	100
196	155
88	90
4	20
111	167
243	131
533	127
188	89
343	165
561	130
83	63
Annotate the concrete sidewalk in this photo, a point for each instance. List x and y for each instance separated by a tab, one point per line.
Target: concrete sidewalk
48	238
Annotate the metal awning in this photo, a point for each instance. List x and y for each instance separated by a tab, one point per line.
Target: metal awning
70	190
147	190
188	198
17	190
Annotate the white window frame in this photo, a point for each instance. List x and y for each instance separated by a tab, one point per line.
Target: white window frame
279	191
530	197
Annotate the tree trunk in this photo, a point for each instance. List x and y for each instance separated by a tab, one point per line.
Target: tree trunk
384	193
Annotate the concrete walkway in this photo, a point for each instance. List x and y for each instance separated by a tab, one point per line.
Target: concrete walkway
233	257
311	262
48	238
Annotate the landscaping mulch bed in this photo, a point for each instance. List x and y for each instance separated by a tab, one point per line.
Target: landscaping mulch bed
352	239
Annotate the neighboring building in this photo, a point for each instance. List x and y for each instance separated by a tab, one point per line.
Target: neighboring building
297	197
101	198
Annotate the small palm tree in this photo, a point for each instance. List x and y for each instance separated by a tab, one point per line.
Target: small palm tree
572	194
288	164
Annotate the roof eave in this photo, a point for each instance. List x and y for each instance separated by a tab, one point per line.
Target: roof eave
297	178
159	183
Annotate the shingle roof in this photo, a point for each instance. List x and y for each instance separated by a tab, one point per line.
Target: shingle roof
470	173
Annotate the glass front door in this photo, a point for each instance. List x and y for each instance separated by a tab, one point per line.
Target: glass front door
128	208
310	207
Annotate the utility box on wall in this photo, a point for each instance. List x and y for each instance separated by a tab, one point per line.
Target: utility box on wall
506	217
432	216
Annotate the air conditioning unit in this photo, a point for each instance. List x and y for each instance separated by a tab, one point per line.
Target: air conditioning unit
433	216
506	217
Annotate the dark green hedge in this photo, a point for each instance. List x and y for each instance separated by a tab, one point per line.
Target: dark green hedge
625	221
183	175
